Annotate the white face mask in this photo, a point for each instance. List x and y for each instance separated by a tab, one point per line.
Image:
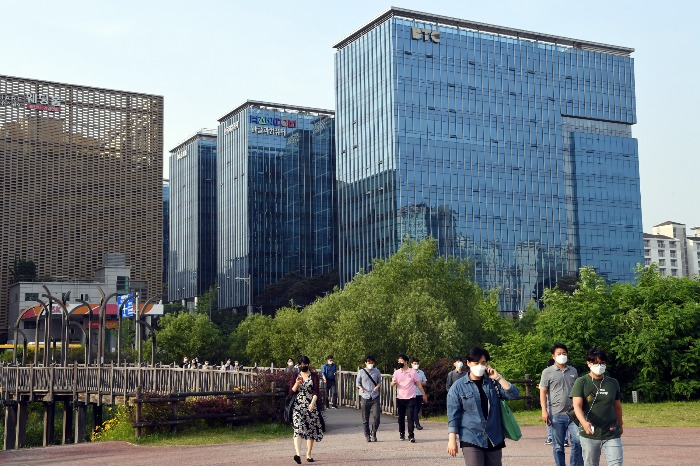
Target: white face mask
415	366
478	370
561	359
290	363
459	364
598	369
330	361
370	366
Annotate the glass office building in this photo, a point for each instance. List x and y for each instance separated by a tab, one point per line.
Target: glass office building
166	231
512	148
192	239
276	207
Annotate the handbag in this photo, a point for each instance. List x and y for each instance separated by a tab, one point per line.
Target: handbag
289	407
572	415
511	429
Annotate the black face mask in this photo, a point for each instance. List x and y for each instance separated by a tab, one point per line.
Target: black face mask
400	365
304	368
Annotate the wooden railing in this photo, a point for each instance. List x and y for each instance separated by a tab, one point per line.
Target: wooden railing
120	383
113	381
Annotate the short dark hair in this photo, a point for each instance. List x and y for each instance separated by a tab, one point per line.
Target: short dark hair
414	359
559	345
402	356
596	354
457	358
303	360
476	353
330	356
370	357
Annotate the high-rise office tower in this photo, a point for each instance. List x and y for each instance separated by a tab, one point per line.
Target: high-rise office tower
192	248
81	172
512	148
276	195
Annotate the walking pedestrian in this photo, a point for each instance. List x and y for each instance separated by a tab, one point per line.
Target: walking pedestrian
415	365
306	420
555	387
474	412
328	371
598	405
369	384
457	373
406	381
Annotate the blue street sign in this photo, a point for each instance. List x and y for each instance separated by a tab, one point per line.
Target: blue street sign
128	309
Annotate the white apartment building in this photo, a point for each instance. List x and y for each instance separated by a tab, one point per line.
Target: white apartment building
668	246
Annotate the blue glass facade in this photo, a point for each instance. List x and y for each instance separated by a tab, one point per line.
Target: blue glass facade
276	192
512	149
166	229
192	255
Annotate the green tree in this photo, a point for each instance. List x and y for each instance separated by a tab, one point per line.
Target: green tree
658	338
188	334
416	302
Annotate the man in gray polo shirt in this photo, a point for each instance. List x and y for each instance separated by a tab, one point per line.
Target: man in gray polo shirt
369	384
556	382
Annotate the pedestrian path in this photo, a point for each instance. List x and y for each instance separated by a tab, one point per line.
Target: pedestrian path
344	444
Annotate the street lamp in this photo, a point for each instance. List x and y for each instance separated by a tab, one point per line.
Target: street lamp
250	292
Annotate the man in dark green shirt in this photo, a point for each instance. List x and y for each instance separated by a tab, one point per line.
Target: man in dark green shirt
598	405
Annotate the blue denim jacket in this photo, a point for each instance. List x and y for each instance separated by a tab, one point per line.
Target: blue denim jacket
464	416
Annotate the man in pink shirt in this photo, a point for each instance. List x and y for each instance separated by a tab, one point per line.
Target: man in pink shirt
406	380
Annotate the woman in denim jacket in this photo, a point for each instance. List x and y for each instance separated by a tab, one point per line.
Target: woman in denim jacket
474	412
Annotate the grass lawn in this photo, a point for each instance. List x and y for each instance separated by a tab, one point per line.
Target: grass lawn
214	435
667	414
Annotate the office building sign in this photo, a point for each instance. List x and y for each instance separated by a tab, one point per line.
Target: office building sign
231	128
31	101
425	34
270	125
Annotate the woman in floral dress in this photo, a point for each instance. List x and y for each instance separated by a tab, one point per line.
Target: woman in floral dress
306	419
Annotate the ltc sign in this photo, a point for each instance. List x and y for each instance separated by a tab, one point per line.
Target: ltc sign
425	34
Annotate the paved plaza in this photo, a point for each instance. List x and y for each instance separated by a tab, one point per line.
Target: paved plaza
345	444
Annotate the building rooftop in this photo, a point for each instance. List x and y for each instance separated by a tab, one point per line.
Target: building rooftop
649	235
668	223
202	133
483	27
278	107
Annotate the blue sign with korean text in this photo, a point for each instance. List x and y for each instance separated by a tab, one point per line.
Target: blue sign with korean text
128	309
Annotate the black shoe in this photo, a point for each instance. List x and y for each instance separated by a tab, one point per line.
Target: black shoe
412	439
297	458
368	438
418	426
402	437
374	436
309	460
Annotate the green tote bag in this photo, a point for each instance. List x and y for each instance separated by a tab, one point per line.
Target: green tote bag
511	429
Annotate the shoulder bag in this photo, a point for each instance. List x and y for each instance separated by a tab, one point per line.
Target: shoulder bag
572	414
511	429
289	407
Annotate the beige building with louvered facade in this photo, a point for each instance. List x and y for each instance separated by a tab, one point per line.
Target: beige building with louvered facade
80	176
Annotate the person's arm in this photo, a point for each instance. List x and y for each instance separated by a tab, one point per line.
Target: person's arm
358	382
454	420
543	402
578	409
618	413
419	385
393	380
323	373
449	381
452	447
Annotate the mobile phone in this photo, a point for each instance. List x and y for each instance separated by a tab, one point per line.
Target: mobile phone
592	428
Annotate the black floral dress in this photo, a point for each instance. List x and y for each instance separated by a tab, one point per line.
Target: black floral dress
306	424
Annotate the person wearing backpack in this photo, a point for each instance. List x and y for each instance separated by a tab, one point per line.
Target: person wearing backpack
369	383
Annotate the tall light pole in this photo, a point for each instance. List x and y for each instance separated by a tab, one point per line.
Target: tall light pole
250	292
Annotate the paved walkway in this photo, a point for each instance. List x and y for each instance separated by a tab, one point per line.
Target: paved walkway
344	444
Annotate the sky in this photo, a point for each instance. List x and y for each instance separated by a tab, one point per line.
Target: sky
210	56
